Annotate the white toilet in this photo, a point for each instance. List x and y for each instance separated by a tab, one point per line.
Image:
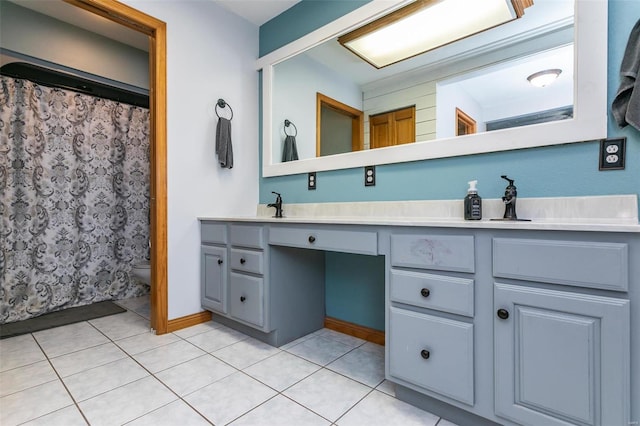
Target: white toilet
142	272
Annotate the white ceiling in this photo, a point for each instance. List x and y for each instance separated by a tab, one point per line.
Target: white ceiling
255	11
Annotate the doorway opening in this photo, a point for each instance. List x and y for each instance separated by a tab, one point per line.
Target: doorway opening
156	31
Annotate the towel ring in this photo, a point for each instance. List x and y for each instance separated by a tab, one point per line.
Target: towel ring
222	104
287	123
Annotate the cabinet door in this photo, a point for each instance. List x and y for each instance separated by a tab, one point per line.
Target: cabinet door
213	278
561	358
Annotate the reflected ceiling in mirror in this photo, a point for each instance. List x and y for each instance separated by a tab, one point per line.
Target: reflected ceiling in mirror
485	76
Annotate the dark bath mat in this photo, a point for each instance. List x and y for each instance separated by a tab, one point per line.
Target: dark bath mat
58	318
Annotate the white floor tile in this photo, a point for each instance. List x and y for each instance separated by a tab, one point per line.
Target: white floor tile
345	339
216	339
127	402
32	403
122	325
327	393
173	414
145	341
89	383
185	333
320	350
360	364
195	374
69	338
280	411
379	409
69	416
229	398
297	341
387	387
85	359
245	353
444	422
113	388
168	356
19	351
282	370
22	378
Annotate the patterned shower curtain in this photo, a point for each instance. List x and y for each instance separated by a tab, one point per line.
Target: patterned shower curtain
74	199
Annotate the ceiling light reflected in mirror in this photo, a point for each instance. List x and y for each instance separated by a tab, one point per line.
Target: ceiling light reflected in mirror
544	78
426	25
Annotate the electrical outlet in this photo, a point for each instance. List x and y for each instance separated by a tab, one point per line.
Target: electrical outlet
370	176
311	181
612	154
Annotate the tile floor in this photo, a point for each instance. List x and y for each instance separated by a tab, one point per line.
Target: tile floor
112	371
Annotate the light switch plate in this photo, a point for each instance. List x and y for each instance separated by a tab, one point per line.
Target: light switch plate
370	176
311	181
612	154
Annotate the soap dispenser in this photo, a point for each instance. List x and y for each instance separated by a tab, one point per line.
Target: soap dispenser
472	203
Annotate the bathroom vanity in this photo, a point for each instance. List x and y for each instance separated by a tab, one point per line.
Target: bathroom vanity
511	323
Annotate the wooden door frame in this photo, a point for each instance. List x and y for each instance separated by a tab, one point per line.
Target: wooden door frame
157	32
357	121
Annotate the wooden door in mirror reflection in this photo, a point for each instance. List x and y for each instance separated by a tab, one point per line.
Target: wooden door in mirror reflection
339	127
393	127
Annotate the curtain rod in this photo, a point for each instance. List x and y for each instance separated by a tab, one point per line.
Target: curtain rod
51	78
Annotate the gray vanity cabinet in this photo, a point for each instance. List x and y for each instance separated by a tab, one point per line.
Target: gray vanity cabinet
430	352
213	267
561	352
246	279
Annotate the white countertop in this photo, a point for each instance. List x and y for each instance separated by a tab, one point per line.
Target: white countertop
598	214
443	223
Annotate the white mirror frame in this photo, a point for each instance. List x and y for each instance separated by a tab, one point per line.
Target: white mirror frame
590	100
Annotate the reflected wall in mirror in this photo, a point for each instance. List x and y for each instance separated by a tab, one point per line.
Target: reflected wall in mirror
485	76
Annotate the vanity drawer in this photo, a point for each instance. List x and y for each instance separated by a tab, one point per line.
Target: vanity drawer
213	233
247	260
433	353
440	252
574	263
246	298
439	292
247	236
359	242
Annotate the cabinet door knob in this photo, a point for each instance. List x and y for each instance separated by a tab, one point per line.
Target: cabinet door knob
425	354
312	239
503	314
242	261
242	298
220	262
425	292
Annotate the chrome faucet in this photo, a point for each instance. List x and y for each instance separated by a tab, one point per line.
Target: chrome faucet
277	204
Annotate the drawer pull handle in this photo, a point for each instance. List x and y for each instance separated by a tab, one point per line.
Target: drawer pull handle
425	354
242	261
503	314
312	239
242	298
220	262
425	292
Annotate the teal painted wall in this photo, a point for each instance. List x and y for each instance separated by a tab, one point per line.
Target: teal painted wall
354	288
301	19
558	171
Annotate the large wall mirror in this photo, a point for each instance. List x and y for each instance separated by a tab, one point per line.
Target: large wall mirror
471	96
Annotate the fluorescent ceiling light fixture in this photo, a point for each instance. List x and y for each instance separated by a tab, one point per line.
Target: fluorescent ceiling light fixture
544	78
425	25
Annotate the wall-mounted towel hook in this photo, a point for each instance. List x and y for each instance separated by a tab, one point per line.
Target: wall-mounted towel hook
222	104
288	123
